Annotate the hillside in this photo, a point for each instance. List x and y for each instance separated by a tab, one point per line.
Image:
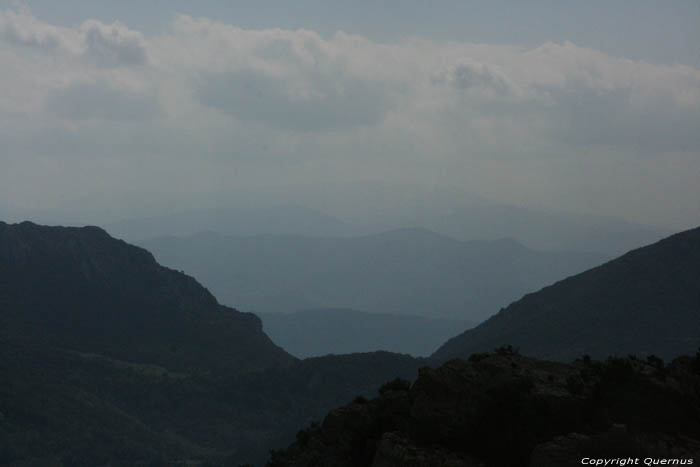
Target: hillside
309	333
81	289
61	407
107	357
505	410
408	271
646	301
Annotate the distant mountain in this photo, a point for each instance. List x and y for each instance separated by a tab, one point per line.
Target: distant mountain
465	216
644	302
281	219
506	410
339	210
81	289
407	271
311	333
539	229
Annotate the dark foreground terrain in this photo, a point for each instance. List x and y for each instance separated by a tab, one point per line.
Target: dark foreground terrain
108	358
503	409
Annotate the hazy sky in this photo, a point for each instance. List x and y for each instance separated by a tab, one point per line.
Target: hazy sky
581	106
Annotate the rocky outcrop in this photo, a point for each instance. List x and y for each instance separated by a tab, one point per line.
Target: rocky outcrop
503	409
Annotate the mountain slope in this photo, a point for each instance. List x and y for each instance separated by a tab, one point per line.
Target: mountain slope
507	410
81	289
646	301
407	271
62	407
107	358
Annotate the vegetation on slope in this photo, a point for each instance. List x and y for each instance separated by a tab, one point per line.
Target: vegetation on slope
506	410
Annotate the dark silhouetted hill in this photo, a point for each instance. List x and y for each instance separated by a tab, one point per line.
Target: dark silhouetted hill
505	410
407	271
107	358
81	289
62	407
646	302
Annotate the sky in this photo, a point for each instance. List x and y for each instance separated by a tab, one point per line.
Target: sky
590	107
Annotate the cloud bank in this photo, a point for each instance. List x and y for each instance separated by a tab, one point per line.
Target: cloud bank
207	106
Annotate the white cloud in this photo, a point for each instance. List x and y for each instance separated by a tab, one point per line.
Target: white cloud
294	102
337	105
113	44
82	101
468	74
19	27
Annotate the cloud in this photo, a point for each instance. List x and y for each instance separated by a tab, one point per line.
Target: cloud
19	27
113	44
295	102
100	44
467	74
273	105
83	101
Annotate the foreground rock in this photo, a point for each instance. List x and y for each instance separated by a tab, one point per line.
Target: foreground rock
507	410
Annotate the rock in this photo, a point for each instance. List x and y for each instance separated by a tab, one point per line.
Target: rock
507	410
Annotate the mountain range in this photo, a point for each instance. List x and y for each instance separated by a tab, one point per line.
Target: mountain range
407	271
108	358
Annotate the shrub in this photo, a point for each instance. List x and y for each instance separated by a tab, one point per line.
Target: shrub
507	350
397	384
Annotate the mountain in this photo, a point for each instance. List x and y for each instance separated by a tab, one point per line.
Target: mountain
81	289
310	333
279	219
541	229
407	271
646	301
108	358
337	210
507	410
451	211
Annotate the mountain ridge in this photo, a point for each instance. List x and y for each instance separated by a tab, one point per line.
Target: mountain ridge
80	287
405	271
647	300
